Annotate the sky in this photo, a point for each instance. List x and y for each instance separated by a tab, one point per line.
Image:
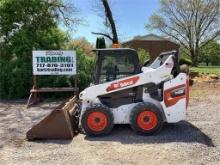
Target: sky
130	15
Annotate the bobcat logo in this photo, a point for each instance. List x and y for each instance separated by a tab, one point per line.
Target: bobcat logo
122	83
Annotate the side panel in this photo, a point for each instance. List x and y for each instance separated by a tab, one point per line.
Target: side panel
175	105
123	97
122	113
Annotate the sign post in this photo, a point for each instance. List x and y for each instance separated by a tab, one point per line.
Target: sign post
52	62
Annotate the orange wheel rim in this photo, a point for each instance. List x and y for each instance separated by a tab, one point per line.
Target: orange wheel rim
147	120
97	121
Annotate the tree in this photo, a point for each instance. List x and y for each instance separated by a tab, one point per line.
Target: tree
100	43
85	66
143	56
210	53
192	23
110	23
81	43
26	26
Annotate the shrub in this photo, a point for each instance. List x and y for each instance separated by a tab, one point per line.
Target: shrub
85	64
100	43
16	77
143	55
185	61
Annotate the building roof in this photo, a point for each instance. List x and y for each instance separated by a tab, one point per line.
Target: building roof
151	37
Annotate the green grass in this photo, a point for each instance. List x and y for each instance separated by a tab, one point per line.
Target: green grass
207	69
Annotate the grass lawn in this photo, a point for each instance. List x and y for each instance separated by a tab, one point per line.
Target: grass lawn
207	69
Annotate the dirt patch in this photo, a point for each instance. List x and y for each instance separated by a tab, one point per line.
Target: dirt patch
195	141
208	78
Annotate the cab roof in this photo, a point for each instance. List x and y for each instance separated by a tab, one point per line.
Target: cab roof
115	49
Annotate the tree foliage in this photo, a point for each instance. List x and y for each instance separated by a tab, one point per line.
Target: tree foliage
210	54
192	23
185	61
26	26
143	56
85	66
100	43
83	44
85	60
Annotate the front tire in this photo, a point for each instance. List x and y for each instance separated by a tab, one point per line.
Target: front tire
146	119
97	120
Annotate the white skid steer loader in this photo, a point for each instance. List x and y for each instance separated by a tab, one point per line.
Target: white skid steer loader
122	92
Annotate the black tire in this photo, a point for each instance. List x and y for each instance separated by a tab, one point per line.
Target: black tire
100	109
135	120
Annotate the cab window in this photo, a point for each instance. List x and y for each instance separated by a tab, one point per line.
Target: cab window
115	67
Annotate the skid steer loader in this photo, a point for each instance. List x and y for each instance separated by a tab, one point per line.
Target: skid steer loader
122	92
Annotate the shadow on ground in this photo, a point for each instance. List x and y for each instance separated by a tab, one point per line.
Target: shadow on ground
178	132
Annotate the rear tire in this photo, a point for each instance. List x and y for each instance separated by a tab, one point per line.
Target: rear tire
97	120
146	119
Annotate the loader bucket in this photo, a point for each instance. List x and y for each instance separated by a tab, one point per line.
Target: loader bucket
61	123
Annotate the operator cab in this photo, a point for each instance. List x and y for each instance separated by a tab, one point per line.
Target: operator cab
115	63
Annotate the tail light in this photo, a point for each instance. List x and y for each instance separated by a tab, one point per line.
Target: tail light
178	92
173	95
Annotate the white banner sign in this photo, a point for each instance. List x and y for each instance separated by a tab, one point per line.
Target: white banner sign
54	62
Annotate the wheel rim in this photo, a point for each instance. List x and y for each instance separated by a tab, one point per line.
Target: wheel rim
147	120
97	121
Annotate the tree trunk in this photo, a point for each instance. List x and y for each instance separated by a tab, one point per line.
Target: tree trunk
108	13
194	61
193	58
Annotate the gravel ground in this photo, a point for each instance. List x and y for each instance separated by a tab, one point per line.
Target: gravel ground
195	141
